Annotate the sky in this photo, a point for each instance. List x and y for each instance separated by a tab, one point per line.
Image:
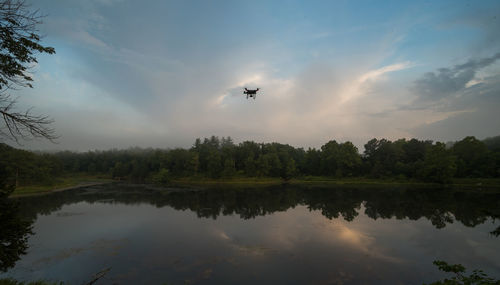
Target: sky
163	73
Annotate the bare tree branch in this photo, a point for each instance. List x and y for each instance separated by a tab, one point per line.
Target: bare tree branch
24	125
19	41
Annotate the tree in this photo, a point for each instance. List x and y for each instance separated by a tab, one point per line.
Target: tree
492	143
120	170
214	163
339	159
312	161
349	159
474	158
329	157
289	169
263	166
162	177
193	163
14	234
274	164
250	169
229	168
19	41
439	164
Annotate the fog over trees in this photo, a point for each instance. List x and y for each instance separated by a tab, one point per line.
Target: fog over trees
216	158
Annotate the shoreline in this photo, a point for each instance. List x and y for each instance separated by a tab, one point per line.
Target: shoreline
46	192
267	182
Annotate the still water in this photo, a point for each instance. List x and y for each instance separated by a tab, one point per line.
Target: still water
277	235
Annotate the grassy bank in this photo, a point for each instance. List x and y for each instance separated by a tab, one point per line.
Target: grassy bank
78	180
269	181
233	181
324	180
60	184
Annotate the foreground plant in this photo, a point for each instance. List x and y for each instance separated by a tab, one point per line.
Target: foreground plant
477	276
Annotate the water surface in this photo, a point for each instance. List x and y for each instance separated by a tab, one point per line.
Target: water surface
276	235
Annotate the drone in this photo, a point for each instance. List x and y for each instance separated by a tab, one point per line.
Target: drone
251	93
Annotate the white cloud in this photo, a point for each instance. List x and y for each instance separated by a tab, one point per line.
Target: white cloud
157	80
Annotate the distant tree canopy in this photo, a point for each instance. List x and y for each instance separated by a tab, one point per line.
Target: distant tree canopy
19	42
21	167
221	158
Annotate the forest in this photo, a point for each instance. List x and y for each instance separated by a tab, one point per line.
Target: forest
221	158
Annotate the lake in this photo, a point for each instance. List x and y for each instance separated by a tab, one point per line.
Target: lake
274	235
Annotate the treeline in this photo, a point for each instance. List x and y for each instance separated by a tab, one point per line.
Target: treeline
221	158
21	167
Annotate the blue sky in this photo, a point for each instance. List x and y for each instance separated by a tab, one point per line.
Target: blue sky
162	73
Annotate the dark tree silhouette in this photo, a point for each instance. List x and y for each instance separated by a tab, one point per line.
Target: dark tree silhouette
14	234
19	41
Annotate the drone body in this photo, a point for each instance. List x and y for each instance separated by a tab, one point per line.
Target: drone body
251	93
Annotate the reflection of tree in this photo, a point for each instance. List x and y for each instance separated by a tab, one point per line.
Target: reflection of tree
439	206
334	203
496	232
14	233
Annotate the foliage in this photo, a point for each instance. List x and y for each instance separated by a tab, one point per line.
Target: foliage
289	169
402	160
476	277
19	41
473	158
14	233
438	165
162	177
229	168
61	182
20	167
7	179
492	143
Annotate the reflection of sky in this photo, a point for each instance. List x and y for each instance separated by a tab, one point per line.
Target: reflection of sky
145	244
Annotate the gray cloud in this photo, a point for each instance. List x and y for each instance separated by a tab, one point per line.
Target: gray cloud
474	112
433	86
482	122
163	73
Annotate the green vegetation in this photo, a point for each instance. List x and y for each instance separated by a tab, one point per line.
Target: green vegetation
60	183
476	277
14	233
220	161
23	172
20	42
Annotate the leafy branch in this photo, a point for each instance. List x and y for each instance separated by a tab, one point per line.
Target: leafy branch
19	42
476	277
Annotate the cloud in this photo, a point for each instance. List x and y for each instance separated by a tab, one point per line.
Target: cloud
375	74
434	86
473	112
165	73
